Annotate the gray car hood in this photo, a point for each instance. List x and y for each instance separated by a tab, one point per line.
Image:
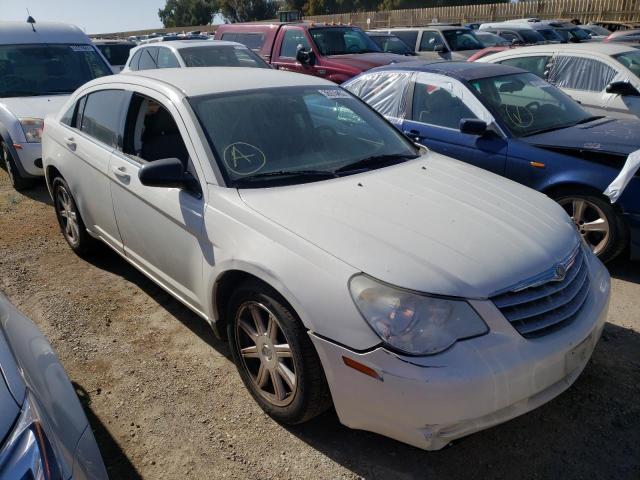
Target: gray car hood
432	224
35	107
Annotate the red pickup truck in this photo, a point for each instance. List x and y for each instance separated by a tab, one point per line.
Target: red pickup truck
334	52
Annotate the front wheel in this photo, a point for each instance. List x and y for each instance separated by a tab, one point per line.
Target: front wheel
69	218
18	182
274	355
597	222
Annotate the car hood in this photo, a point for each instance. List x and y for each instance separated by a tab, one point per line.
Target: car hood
366	61
36	107
433	225
605	135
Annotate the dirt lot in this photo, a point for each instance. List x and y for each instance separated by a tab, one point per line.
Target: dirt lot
165	401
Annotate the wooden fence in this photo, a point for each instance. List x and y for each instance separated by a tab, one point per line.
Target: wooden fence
585	10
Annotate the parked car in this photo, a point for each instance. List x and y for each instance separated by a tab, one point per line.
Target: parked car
115	51
597	32
334	52
439	41
514	124
616	26
568	32
514	35
40	65
390	43
172	37
604	78
333	252
181	54
44	433
632	36
514	29
489	39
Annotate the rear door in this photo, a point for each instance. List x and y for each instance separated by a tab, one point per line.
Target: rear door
90	139
161	228
438	105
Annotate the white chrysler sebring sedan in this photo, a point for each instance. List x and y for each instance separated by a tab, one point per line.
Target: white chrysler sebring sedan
425	298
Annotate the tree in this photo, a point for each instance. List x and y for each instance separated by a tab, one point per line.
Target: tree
247	10
183	13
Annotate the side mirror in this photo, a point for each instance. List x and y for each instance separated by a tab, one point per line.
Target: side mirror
168	173
622	88
473	126
440	48
516	41
305	57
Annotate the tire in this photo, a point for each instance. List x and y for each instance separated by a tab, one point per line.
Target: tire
69	219
597	221
18	182
263	367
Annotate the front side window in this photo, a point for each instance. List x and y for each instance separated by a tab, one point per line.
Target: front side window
43	69
166	59
437	104
292	38
631	60
510	37
463	39
534	64
148	59
319	130
429	41
531	36
549	35
581	73
391	44
342	41
526	104
102	116
410	37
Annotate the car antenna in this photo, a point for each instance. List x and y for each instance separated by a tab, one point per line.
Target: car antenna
31	20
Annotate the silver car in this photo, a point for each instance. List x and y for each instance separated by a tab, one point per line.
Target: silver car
45	432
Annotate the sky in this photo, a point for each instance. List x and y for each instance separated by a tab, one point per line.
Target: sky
93	16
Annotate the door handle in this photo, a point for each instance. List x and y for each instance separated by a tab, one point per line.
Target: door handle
121	173
414	135
71	144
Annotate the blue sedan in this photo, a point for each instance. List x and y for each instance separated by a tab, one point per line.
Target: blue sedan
515	124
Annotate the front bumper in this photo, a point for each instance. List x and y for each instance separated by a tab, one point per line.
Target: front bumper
29	156
430	401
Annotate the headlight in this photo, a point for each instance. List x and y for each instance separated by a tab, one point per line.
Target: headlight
32	128
413	323
27	452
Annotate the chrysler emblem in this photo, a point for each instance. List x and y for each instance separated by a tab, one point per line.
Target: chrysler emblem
561	272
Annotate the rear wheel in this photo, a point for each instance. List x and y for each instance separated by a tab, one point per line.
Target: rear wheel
18	182
69	218
598	223
274	355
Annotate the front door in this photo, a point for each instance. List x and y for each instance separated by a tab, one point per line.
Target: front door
439	104
161	228
285	59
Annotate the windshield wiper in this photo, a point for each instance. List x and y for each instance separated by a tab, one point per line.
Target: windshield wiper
284	174
560	127
376	161
589	119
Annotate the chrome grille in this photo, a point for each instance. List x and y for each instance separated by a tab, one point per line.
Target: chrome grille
548	303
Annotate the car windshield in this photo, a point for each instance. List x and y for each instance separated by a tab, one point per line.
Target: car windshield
221	56
283	135
579	33
563	34
631	60
531	36
391	44
549	35
526	105
491	39
116	54
597	30
40	69
342	41
463	39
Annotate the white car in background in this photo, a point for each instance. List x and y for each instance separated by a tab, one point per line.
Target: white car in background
115	51
342	262
40	65
192	53
603	77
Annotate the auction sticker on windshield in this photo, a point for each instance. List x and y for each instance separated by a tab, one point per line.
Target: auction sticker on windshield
337	93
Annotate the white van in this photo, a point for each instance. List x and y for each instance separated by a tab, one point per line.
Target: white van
41	64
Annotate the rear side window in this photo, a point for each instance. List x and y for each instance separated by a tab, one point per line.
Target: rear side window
166	59
148	59
293	38
429	41
579	73
134	61
407	36
102	115
535	64
251	40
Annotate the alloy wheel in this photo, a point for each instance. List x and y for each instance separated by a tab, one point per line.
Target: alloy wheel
266	353
68	215
590	221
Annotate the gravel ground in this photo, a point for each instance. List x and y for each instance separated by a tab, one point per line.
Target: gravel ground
165	401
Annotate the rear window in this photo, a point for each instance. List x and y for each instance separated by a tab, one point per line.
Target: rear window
221	56
39	69
252	40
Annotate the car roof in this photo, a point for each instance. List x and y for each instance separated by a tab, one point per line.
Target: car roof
196	81
180	44
15	33
592	47
458	70
430	27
